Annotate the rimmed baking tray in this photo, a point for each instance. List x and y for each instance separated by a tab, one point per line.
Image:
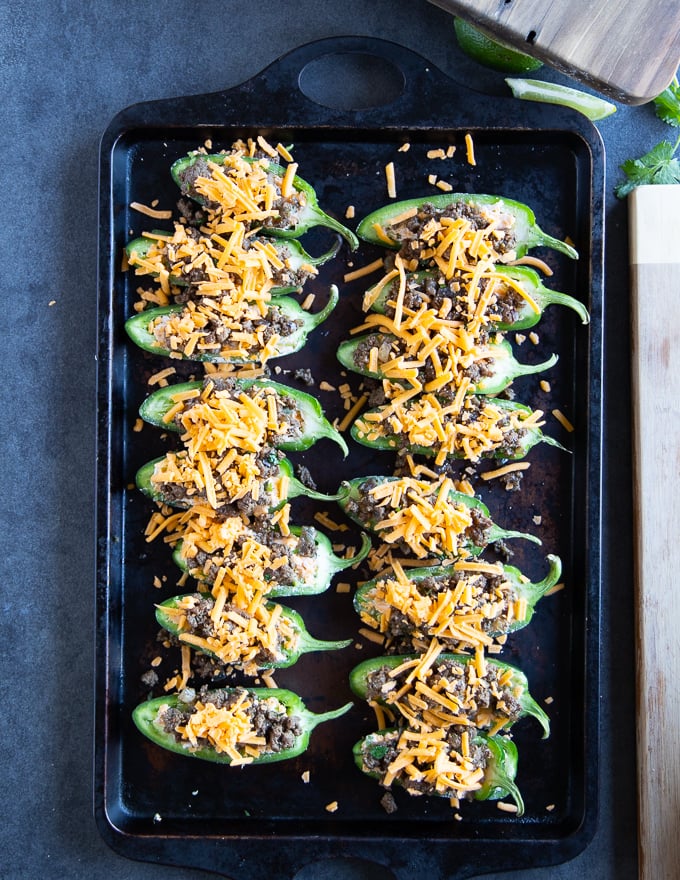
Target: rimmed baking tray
154	806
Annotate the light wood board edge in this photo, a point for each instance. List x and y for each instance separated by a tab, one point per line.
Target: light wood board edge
654	214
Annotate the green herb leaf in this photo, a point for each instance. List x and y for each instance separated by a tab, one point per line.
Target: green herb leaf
656	166
667	104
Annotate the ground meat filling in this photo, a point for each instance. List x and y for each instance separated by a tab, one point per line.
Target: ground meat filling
448	297
409	233
482	700
268	718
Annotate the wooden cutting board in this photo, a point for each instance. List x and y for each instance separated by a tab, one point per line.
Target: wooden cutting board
628	50
654	213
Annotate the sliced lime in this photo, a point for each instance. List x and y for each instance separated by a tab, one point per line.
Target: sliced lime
479	46
551	93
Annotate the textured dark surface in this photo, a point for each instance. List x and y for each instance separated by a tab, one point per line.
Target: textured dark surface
66	71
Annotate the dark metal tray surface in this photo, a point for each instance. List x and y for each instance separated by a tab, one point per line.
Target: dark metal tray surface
155	806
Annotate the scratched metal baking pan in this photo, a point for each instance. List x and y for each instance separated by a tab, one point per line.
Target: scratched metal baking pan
155	806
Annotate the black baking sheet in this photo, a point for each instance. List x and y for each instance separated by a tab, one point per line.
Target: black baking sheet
156	806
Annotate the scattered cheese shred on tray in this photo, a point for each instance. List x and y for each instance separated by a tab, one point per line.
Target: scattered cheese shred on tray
391	181
563	420
150	212
470	150
506	469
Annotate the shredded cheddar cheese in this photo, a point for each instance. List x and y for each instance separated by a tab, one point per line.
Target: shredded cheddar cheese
228	729
422	515
472	602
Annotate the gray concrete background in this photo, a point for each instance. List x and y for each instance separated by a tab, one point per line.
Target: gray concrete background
66	68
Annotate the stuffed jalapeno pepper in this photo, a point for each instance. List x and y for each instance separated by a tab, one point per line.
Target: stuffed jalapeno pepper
259	555
237	726
472	428
442	691
202	262
222	329
222	413
467	605
504	298
427	518
264	635
456	766
438	228
258	190
249	483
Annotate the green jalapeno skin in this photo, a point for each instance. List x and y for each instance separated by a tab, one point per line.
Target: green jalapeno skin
314	424
358	682
137	328
505	368
309	216
527	233
295	255
295	487
145	714
527	278
531	592
499	773
327	564
387	443
306	643
351	491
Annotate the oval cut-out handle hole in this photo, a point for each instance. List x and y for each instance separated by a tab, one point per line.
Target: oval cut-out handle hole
351	81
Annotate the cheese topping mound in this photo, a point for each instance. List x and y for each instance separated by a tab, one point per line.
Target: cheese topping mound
223	327
227	730
422	515
249	191
432	692
247	639
213	260
463	234
426	763
236	726
229	550
220	480
468	606
471	428
224	417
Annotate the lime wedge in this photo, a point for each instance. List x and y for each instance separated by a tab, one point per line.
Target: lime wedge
479	46
550	93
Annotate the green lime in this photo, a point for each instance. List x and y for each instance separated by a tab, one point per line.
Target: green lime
551	93
482	48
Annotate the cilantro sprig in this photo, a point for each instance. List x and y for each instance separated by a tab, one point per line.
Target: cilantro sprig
659	165
667	104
